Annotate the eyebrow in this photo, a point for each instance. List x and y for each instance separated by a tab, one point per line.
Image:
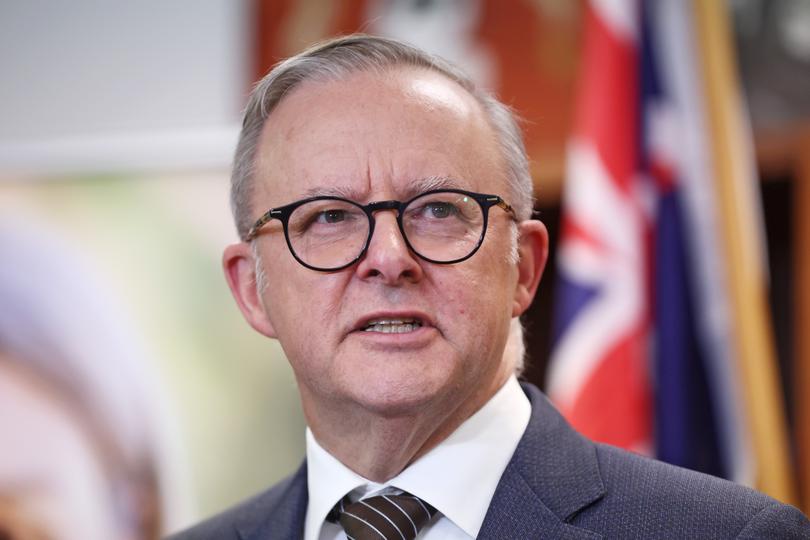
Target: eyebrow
429	183
414	188
333	191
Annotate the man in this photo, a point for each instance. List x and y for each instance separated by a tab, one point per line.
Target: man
393	264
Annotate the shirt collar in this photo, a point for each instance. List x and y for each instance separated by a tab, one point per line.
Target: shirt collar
484	443
328	480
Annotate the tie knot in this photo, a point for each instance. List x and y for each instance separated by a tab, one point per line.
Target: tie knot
384	517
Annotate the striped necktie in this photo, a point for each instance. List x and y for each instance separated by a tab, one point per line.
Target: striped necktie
383	517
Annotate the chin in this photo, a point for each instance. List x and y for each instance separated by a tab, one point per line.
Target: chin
392	398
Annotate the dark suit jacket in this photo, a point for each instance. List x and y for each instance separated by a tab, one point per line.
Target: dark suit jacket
561	485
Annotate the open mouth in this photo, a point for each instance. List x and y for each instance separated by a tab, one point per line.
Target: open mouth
393	326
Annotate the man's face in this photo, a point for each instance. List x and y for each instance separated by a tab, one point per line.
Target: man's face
370	138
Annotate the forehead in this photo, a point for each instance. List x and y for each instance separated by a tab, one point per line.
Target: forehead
373	133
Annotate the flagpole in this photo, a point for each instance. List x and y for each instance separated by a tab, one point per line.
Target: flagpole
801	361
742	231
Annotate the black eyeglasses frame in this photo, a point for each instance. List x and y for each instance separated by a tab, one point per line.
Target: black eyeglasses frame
283	213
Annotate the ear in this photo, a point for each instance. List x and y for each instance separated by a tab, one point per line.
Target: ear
239	265
533	252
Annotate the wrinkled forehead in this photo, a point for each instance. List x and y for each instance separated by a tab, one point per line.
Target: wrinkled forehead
396	87
373	129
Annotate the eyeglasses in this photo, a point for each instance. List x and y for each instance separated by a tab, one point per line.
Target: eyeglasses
442	226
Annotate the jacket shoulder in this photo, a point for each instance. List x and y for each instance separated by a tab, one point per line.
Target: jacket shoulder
282	499
652	499
777	521
596	489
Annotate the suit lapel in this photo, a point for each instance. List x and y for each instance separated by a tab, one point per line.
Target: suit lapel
282	517
552	476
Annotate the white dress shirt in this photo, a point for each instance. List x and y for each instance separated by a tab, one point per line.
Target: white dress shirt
458	477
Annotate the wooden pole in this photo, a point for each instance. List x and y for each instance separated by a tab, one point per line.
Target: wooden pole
801	324
742	232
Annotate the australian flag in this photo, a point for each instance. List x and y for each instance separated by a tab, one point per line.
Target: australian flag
642	354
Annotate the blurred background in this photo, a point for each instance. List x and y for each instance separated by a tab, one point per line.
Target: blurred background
670	146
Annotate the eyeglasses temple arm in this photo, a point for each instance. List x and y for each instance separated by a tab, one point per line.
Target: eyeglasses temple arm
261	222
506	206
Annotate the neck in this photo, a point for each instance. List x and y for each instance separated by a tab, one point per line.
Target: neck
379	446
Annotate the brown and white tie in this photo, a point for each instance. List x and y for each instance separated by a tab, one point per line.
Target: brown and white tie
383	517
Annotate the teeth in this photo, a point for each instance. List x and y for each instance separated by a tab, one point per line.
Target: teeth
392	326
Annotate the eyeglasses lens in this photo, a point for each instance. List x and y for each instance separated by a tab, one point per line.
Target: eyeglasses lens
328	233
443	226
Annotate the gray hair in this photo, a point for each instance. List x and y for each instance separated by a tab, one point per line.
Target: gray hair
339	57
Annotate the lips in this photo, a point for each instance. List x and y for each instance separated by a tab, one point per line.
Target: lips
392	326
393	323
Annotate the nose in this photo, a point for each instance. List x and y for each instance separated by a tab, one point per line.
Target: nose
388	257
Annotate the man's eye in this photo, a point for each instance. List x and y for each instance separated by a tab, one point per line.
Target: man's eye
331	216
440	210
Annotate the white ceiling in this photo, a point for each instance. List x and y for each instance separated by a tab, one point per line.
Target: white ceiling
120	85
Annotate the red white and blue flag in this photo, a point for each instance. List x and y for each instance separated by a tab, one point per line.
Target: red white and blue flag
643	355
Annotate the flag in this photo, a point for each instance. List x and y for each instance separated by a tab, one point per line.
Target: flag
652	351
599	373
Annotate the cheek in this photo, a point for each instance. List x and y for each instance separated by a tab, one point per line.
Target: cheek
474	303
299	301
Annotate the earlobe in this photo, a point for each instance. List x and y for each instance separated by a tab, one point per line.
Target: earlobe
239	265
533	252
